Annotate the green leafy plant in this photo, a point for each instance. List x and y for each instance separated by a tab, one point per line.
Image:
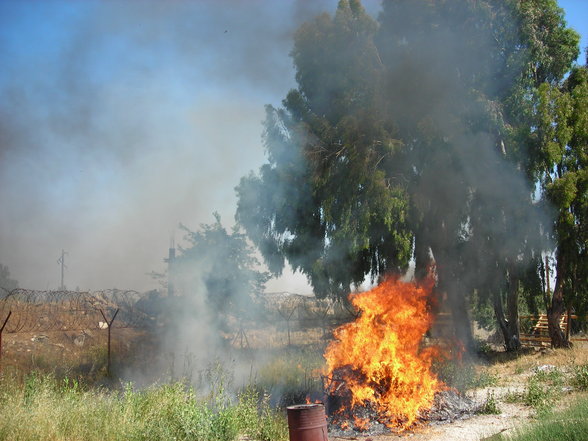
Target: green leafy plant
543	389
512	397
580	378
490	406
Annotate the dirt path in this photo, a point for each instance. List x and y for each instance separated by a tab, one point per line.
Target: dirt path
477	427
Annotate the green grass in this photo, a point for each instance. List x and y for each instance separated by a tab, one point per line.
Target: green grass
570	424
290	377
44	408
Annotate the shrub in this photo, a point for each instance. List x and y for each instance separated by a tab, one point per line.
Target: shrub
543	388
580	379
490	406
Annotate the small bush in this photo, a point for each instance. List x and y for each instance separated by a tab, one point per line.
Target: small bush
490	406
543	389
580	379
257	419
551	376
483	347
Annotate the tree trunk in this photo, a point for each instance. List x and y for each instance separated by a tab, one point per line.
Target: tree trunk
500	317
512	307
422	256
457	299
460	312
511	339
557	307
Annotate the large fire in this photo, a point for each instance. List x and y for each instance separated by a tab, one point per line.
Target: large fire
380	357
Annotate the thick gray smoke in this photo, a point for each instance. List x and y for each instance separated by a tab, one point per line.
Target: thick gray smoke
428	93
120	119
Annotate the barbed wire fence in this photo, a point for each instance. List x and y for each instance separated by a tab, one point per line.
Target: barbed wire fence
36	311
30	311
304	312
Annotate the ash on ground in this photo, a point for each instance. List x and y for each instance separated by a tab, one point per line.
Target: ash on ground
448	406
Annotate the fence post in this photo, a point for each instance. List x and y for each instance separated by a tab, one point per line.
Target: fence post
109	324
1	330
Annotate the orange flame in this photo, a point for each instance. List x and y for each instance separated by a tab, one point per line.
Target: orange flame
384	363
361	424
309	401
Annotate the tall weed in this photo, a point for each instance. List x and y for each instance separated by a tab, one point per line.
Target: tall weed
43	408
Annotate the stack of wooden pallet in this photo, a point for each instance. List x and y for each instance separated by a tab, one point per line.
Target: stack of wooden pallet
539	332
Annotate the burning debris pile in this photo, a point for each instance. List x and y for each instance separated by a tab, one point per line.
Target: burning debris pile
448	406
379	375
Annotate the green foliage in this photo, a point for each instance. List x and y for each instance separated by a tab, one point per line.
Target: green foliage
257	418
387	149
327	200
221	261
490	405
580	379
561	117
543	389
512	397
483	348
551	46
484	379
482	311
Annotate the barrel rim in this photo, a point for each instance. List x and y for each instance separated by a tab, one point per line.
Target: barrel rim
305	406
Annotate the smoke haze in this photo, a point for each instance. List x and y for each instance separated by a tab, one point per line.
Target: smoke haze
120	119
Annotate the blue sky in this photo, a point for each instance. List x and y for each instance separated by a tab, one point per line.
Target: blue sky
576	14
121	119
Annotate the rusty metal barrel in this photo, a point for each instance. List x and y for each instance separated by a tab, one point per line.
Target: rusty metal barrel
307	422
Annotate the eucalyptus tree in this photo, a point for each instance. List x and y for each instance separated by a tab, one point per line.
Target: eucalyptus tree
562	132
329	200
461	81
411	137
